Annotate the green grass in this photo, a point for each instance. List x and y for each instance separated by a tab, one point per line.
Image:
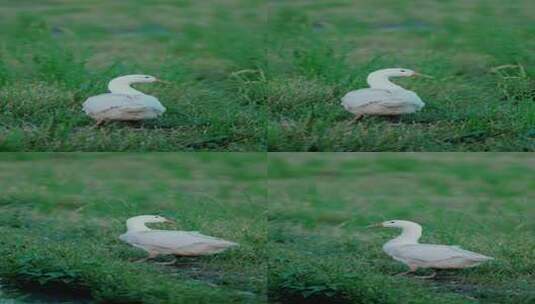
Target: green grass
321	50
320	252
256	75
62	215
56	54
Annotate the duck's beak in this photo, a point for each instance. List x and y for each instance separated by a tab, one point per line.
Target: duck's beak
423	75
163	81
378	225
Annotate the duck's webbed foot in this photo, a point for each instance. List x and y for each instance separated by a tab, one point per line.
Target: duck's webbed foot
412	269
168	263
142	260
434	274
394	118
356	119
151	255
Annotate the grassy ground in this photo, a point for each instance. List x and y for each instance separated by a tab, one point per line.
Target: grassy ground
321	50
57	53
61	215
320	251
226	94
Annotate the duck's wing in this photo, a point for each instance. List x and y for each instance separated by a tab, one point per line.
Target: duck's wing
153	102
170	240
105	102
409	97
365	97
436	253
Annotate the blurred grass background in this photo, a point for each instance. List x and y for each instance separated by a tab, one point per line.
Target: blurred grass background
320	203
61	215
54	54
320	50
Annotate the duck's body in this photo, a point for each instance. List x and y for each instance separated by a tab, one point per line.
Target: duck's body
383	97
182	243
124	103
108	107
435	256
168	242
406	249
382	102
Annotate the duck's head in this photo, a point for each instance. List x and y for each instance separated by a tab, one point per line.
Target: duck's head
395	224
138	78
401	72
121	85
152	219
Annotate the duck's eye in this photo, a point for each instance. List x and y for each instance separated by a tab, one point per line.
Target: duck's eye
403	71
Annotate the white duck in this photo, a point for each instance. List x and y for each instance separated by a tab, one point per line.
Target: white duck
383	97
406	249
169	242
124	102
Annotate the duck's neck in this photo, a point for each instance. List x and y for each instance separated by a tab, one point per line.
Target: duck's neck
379	80
409	235
121	85
136	225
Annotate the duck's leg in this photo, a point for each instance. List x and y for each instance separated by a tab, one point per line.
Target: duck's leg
356	119
412	268
434	274
168	263
99	123
151	255
394	118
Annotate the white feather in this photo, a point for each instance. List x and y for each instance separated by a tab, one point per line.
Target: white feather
182	243
123	107
382	102
124	102
406	249
383	97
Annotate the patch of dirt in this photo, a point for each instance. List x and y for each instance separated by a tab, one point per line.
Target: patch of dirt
194	269
448	281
